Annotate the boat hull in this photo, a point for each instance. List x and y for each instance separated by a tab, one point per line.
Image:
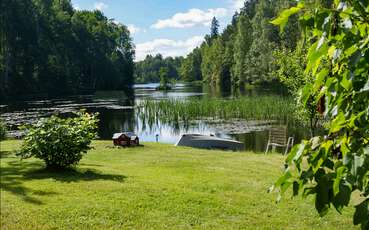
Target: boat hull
209	142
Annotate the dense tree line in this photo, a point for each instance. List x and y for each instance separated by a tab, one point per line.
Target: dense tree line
148	70
49	48
243	52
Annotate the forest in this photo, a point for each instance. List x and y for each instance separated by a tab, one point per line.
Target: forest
246	52
49	49
148	70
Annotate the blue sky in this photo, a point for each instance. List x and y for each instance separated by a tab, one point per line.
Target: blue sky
169	27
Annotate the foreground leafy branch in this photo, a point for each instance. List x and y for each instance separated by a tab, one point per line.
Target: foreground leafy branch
334	166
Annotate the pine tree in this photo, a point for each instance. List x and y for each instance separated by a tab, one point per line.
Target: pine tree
214	30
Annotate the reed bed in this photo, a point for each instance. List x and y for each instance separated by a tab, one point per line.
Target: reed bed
274	108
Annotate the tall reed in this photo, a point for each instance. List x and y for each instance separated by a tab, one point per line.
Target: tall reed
248	108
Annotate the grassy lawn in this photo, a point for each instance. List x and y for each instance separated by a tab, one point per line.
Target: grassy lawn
154	187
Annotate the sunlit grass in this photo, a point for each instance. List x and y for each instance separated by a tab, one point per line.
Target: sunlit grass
154	187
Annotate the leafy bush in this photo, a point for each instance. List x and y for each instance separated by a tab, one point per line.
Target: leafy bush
291	72
60	142
2	131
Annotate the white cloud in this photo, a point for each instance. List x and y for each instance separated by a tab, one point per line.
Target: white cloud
76	7
190	18
237	4
167	47
133	29
100	6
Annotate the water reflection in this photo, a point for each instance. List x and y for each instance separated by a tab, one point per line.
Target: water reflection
115	121
117	113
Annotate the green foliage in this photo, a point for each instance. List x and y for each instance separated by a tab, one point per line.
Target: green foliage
2	131
243	51
212	61
290	70
164	78
190	69
49	48
337	165
147	71
60	142
265	40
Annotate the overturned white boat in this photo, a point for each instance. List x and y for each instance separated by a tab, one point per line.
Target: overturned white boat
209	142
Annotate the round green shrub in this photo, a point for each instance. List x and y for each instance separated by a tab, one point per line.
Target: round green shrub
59	142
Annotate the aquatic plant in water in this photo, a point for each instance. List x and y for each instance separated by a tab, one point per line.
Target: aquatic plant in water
173	111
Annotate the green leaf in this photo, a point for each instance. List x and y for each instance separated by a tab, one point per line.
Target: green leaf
336	184
366	87
299	152
351	50
292	154
282	19
342	198
315	142
296	152
306	93
322	195
320	78
287	174
338	123
346	83
357	163
316	52
284	186
308	191
296	188
283	182
361	215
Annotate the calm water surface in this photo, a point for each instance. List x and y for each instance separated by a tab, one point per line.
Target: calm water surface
118	113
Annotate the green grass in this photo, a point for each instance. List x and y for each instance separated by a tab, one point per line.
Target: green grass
154	187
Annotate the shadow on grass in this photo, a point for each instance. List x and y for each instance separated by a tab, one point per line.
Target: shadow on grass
72	175
15	173
12	181
4	154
